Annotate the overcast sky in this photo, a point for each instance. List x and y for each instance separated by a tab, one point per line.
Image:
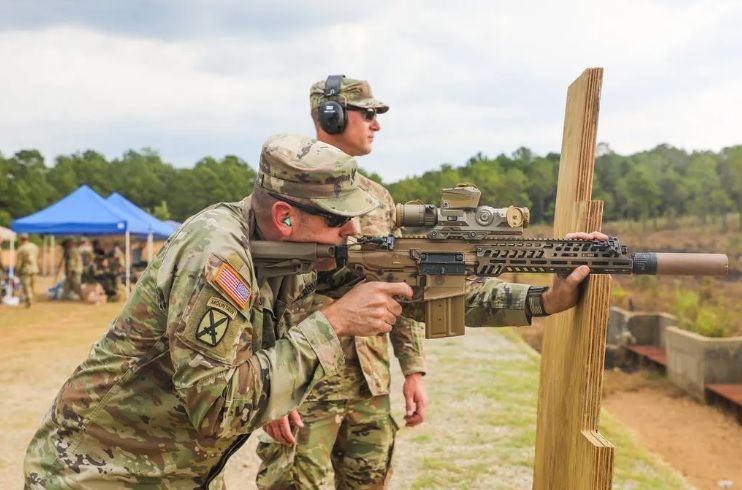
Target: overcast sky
191	79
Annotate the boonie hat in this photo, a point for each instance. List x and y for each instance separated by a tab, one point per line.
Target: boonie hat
297	166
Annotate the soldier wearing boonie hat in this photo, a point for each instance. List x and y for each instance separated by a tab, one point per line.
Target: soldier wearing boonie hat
204	352
348	432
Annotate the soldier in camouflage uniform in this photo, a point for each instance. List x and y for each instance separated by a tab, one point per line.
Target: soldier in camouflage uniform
343	434
86	254
72	270
345	428
27	265
192	365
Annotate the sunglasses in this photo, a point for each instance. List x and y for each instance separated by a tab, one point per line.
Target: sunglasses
369	114
333	220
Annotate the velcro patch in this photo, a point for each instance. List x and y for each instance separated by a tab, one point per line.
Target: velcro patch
231	283
220	304
212	327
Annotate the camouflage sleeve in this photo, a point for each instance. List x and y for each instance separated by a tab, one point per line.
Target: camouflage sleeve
491	302
335	283
407	341
226	386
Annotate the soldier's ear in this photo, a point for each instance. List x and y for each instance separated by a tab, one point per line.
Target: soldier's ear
281	218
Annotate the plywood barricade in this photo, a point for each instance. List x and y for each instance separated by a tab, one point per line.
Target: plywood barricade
570	453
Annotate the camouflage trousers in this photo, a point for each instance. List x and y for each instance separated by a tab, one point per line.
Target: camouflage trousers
72	284
352	440
27	287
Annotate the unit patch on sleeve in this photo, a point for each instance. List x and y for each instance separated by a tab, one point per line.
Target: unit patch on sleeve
220	304
231	283
212	327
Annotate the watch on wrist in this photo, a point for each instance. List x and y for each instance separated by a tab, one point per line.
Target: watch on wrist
535	301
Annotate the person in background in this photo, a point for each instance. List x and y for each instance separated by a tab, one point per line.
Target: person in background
27	260
117	268
86	253
344	430
72	270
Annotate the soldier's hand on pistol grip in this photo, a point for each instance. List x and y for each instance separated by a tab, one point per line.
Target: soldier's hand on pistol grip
565	291
367	309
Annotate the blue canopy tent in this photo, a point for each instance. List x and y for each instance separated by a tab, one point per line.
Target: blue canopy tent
83	212
152	227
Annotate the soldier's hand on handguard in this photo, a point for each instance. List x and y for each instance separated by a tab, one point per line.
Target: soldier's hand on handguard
565	292
367	309
282	430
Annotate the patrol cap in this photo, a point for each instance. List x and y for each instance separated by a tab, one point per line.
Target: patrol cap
22	235
299	167
353	93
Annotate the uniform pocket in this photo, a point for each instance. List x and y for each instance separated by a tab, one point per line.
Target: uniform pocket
277	464
390	459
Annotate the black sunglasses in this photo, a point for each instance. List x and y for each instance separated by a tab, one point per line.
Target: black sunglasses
369	114
333	220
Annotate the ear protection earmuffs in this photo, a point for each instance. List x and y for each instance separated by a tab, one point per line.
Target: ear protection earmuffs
332	116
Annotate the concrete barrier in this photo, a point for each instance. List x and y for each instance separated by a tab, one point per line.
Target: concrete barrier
646	328
694	361
629	327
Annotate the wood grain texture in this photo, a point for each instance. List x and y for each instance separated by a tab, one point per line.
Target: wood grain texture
570	453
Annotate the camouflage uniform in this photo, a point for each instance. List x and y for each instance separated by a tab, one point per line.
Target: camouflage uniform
86	254
72	272
191	366
27	265
348	429
117	270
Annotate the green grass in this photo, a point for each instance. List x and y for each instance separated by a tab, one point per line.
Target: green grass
481	425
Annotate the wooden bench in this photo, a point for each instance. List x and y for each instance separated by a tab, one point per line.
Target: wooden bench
727	394
652	353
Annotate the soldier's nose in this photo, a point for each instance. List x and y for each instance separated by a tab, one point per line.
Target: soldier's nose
352	227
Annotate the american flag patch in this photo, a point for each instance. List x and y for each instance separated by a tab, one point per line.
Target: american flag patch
232	284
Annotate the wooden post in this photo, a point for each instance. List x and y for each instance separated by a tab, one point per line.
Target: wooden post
570	453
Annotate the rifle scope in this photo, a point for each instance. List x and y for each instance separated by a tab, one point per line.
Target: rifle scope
475	218
416	215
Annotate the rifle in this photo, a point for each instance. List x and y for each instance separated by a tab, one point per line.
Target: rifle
442	246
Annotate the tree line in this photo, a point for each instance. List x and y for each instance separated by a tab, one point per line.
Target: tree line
664	182
27	184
